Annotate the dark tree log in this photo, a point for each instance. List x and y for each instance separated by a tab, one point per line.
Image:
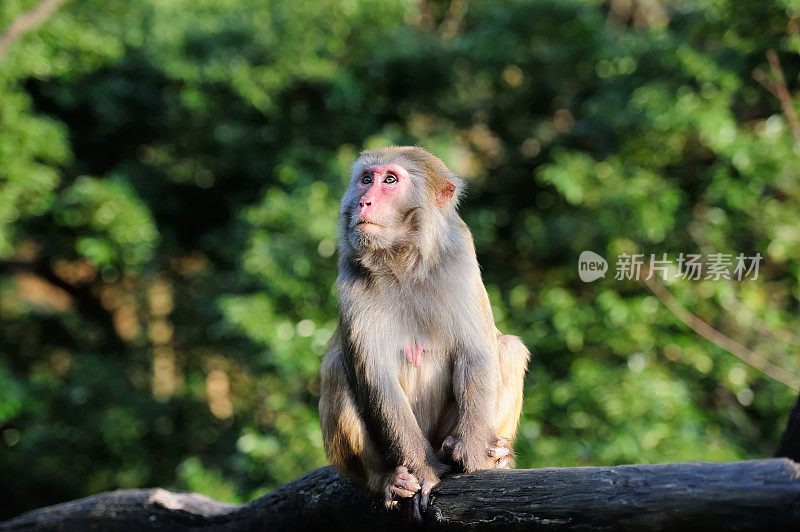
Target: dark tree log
750	495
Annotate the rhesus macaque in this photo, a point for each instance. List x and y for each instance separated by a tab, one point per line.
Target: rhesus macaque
416	377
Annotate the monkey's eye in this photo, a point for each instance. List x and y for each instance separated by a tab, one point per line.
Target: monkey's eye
366	179
390	178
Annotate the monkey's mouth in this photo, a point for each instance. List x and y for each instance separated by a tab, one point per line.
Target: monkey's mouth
369	224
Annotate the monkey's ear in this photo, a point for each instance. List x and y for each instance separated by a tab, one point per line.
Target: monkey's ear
446	194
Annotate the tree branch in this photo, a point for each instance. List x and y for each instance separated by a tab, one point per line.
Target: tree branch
27	22
720	340
778	88
757	494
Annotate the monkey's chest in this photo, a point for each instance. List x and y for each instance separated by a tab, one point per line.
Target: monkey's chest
427	384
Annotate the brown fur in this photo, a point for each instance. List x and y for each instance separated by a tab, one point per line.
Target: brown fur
419	282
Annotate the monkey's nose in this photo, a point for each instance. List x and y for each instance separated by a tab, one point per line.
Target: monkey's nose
366	203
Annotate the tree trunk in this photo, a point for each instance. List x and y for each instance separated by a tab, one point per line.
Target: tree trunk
749	495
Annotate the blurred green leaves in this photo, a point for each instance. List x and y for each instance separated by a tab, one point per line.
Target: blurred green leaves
109	209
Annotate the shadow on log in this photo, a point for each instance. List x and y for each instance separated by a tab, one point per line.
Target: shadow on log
749	495
789	446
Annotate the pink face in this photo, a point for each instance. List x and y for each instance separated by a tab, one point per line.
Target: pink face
380	187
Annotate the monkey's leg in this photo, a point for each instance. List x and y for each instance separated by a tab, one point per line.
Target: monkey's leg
349	446
513	362
347	443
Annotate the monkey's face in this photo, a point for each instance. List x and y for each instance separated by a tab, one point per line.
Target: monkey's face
383	197
399	198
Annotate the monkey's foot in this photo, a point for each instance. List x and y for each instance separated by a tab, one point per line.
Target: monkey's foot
406	487
501	453
414	357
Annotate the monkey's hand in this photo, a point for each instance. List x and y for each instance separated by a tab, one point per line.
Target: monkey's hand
471	455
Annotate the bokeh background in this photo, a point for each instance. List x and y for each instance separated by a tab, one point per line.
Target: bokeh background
170	172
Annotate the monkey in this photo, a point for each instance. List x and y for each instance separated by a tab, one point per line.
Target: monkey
416	379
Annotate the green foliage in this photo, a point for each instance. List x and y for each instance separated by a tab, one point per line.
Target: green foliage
169	183
121	228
